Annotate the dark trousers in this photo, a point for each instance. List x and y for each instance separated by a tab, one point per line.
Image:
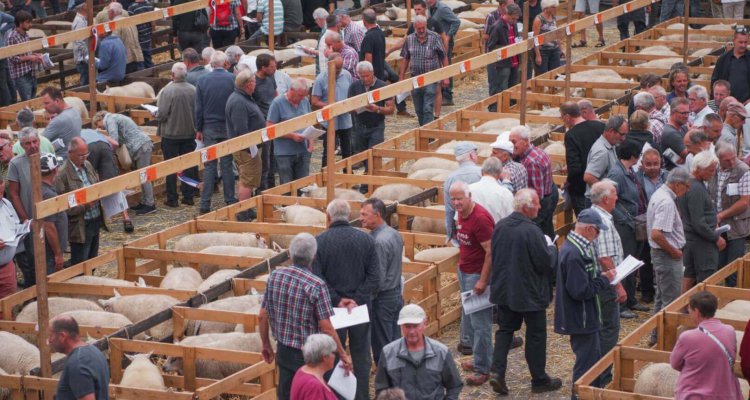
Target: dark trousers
5	85
288	360
174	148
196	40
223	38
734	250
535	349
544	218
383	317
83	70
610	331
365	138
630	247
359	350
133	67
646	272
500	79
578	201
550	60
587	349
25	262
448	91
80	252
268	167
146	50
637	17
293	167
344	137
392	77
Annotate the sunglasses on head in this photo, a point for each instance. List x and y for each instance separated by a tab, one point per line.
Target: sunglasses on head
740	29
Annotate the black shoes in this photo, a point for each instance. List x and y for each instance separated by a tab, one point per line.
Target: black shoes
171	203
498	385
145	209
465	350
517	342
640	307
551	385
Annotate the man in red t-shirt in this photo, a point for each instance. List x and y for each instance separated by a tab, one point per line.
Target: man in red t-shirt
474	227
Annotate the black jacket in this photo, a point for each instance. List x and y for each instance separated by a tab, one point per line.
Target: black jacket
578	142
522	265
347	261
721	69
699	215
640	138
499	38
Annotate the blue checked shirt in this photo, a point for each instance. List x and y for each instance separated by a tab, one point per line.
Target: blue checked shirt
608	244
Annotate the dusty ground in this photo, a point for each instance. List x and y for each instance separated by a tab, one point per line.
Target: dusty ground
560	358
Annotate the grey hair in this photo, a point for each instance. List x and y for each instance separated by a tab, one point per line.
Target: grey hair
651	150
700	92
393	393
27	132
703	160
334	36
696	136
115	7
179	70
338	210
523	198
723	147
334	56
679	175
522	130
460	185
602	189
316	347
465	156
364	66
420	19
218	59
585	105
320	13
243	78
711	118
207	53
492	166
302	249
513	9
549	3
75	143
615	122
234	51
298	84
644	101
658	89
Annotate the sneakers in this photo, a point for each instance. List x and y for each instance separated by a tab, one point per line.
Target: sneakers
551	385
627	314
136	207
476	379
145	209
640	307
465	350
498	385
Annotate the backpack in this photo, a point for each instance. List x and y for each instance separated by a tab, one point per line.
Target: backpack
221	14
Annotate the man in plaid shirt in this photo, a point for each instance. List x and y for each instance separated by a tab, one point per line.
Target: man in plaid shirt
348	54
296	304
539	172
352	32
22	66
423	52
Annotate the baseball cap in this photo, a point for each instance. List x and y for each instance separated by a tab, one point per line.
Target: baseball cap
591	217
411	314
49	162
738	109
464	148
502	144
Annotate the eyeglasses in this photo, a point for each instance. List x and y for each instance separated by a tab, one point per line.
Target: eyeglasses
681	112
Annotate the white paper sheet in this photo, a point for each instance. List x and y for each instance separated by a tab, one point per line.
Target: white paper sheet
402	96
733	189
343	319
312	133
671	155
723	228
114	204
344	385
473	302
152	109
12	236
626	267
47	62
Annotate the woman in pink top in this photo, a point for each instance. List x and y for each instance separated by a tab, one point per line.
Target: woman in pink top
705	355
308	382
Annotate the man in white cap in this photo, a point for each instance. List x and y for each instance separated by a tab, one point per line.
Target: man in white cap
514	174
468	171
411	362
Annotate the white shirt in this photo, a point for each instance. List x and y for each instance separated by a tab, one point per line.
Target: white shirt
697	119
689	158
495	198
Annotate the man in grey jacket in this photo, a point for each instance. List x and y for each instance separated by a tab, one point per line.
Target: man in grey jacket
176	106
421	366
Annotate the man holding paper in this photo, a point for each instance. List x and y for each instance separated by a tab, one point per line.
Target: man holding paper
579	281
319	99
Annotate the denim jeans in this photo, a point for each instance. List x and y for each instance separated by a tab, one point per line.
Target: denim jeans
588	351
734	250
83	70
38	9
146	50
80	252
174	148
367	137
288	360
210	174
424	103
383	316
550	60
675	8
142	159
500	79
293	167
476	328
344	137
535	349
26	86
359	350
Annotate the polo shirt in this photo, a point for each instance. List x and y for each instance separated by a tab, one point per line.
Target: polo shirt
320	89
281	110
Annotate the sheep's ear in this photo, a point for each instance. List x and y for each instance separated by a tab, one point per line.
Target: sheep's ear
130	357
141	282
308	188
117	294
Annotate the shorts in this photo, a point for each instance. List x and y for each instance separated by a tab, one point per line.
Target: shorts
581	6
249	168
701	260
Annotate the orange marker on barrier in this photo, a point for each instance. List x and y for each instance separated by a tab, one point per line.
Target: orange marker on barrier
373	96
324	115
268	133
465	66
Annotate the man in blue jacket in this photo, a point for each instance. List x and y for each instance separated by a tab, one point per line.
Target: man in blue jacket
577	311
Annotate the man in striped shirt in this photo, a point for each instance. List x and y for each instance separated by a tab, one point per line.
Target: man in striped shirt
352	32
144	30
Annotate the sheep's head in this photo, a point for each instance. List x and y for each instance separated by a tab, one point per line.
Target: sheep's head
173	364
107	304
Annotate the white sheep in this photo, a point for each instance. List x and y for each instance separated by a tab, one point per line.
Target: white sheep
441	177
142	374
427	173
692	37
198	241
466	24
303	215
217	278
141	306
316	192
395	13
659	379
741	307
556	149
433	162
701	52
284	55
183	278
724	314
307	70
662	63
597	75
430	225
474	14
56	306
435	254
78	104
655	50
307	43
135	89
19	356
259	52
247	304
280	241
396	192
102	319
497	126
453	4
207	270
226	341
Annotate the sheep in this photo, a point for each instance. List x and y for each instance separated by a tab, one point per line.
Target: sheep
57	306
395	13
435	254
217	278
656	380
247	304
556	149
142	374
339	193
655	50
597	75
453	4
102	281
259	52
135	89
441	177
474	14
466	24
98	318
284	55
679	37
724	314
307	70
496	126
303	215
184	278
430	225
141	306
307	43
198	241
433	162
397	192
483	149
216	369
207	270
78	104
719	27
427	173
19	356
701	52
35	34
662	63
281	241
741	307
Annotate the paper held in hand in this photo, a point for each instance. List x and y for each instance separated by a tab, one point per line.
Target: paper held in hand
12	235
344	385
722	229
341	317
626	267
473	302
152	109
311	133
